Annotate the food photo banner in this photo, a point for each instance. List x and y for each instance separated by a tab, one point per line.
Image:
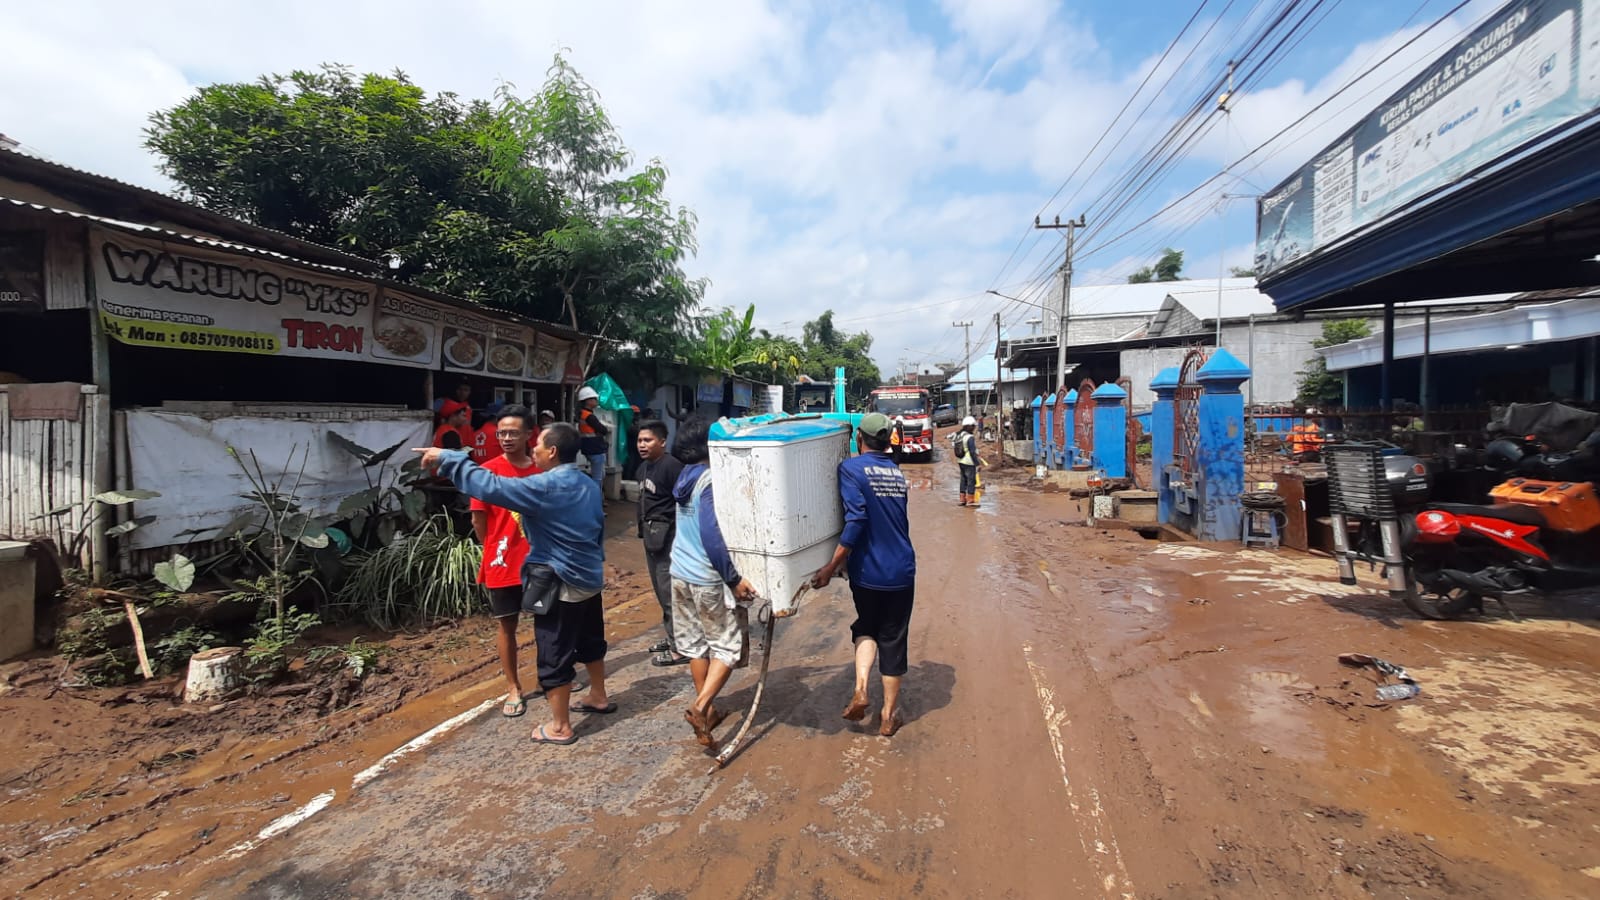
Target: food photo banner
157	294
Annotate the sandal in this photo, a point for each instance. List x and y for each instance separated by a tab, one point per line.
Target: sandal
513	707
661	647
540	737
666	658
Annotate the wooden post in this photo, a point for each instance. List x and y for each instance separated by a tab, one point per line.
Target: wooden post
100	425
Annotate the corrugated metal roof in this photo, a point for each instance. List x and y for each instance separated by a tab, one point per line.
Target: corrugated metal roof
103	195
152	231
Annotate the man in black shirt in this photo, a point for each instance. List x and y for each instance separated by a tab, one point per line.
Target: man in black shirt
657	475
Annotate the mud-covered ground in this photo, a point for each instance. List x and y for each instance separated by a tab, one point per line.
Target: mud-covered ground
1089	713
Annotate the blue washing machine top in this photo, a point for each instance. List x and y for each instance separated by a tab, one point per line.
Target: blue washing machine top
778	427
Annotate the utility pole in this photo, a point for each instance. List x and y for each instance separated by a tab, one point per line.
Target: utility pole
966	371
1066	289
999	390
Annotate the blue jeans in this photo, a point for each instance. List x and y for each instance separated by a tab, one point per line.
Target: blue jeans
597	470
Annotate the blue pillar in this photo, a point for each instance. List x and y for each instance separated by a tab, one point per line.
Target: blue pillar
1049	431
1165	386
1111	430
1221	450
1069	430
1038	429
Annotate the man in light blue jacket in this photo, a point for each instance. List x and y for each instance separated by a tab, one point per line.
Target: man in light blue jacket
564	520
706	627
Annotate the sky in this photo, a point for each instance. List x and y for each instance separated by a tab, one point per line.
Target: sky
881	159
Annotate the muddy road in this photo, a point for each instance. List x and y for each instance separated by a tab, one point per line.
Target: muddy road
1088	714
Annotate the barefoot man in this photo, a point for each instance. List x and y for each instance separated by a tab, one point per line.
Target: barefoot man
705	626
564	522
876	545
504	545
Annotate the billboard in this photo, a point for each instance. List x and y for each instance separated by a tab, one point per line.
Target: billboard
1531	68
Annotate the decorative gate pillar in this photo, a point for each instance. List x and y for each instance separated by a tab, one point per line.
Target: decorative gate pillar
1038	430
1050	431
1221	450
1110	430
1165	386
1069	436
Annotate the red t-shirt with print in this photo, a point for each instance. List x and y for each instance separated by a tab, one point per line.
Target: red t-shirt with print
486	443
504	546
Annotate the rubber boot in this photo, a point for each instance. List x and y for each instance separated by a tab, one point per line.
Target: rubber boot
963	500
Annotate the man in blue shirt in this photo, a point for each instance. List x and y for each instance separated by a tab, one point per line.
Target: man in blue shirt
882	566
565	523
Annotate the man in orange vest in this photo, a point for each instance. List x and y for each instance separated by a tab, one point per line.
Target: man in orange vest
1306	436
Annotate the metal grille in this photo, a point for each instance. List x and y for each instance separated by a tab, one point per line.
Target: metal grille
1186	414
1357	484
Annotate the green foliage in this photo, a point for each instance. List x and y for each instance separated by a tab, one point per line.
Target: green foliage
1243	271
1168	268
1318	386
359	657
392	498
427	574
92	510
176	573
527	203
267	653
171	652
825	347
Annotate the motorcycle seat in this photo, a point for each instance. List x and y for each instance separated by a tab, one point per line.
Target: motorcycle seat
1511	512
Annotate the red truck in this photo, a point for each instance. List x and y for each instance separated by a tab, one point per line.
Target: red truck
909	408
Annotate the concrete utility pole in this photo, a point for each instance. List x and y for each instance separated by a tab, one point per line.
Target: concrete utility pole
966	373
1066	289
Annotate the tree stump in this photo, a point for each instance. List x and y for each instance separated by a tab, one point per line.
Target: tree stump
213	674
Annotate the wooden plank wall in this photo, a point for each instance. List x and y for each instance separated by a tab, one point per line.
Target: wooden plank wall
46	464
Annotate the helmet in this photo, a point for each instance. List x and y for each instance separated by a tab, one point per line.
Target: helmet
969	421
587	393
1502	455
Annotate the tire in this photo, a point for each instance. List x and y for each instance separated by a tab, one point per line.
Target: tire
1435	606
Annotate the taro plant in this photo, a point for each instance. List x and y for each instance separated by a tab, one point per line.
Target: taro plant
390	500
90	511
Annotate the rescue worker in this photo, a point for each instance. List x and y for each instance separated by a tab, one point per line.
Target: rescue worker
968	458
896	438
1305	438
455	431
593	435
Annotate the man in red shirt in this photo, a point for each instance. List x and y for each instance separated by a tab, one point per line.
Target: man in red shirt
505	546
455	431
485	444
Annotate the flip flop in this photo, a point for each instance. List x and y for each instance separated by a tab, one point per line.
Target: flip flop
665	658
606	710
539	737
513	708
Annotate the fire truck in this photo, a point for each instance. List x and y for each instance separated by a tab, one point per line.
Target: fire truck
907	406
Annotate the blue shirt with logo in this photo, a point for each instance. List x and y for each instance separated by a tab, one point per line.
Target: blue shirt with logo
561	510
876	527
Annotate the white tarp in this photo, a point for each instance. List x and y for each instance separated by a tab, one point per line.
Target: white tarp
185	457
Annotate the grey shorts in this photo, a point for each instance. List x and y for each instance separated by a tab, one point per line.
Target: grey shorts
702	624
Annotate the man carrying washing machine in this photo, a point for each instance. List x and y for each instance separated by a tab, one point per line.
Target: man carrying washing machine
882	565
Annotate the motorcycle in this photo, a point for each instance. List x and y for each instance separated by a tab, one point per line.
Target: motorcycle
1540	536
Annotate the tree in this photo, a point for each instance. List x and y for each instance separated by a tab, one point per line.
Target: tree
1242	271
1168	268
1318	386
526	204
825	348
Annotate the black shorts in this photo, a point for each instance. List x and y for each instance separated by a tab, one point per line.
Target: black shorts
569	635
884	616
506	601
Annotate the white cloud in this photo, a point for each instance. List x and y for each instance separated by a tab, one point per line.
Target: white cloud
836	155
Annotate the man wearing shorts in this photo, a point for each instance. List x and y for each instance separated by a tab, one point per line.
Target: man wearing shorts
876	544
705	624
564	522
505	547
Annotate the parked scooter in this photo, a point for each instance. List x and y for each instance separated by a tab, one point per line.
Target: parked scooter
1541	535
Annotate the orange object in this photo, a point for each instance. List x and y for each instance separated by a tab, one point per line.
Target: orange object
1569	506
1305	437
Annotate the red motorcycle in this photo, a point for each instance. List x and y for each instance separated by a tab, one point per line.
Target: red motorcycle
1540	536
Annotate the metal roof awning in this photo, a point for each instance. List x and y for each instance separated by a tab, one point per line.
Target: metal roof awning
1531	223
